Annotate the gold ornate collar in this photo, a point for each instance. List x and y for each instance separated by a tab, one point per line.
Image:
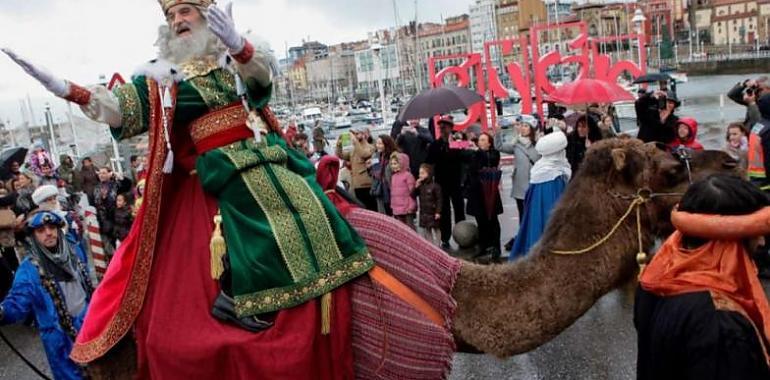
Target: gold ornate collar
199	67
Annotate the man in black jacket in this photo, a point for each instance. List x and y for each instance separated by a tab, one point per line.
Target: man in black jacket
656	118
747	93
446	165
414	141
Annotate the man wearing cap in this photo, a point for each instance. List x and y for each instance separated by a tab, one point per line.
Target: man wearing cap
447	163
234	235
53	286
655	117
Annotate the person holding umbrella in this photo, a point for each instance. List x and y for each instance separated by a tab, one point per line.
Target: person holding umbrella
446	161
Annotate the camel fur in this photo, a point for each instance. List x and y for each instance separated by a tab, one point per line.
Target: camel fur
510	309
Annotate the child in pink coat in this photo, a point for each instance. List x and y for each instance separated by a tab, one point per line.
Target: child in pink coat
401	187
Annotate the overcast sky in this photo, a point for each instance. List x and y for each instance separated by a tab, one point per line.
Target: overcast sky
80	39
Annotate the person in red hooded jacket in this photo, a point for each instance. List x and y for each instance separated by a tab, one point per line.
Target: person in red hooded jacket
686	133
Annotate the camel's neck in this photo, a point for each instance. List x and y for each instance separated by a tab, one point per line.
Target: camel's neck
509	309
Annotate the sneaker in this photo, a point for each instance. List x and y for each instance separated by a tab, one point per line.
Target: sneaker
445	245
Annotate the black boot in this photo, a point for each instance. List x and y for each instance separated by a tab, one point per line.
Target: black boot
224	310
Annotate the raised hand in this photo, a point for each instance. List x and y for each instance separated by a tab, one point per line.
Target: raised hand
57	86
222	25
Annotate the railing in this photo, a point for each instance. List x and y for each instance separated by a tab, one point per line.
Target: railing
727	57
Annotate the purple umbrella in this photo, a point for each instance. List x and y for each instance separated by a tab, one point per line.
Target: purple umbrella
440	100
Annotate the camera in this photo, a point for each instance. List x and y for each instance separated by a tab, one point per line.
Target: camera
662	100
749	91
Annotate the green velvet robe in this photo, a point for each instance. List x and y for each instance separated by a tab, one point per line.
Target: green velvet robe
286	241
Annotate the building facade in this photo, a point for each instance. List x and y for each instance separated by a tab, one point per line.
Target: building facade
483	24
734	22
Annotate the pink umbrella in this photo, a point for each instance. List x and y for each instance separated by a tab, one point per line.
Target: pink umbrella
587	91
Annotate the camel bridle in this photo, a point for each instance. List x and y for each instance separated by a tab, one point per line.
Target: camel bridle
643	197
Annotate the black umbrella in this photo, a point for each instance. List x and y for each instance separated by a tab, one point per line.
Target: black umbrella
437	101
9	156
654	77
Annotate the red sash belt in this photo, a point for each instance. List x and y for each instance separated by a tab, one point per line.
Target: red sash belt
219	128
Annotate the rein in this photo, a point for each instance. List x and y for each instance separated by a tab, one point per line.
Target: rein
642	197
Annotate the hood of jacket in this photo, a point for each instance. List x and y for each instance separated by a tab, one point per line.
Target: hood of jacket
692	124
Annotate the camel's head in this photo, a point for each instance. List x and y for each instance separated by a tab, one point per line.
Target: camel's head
628	165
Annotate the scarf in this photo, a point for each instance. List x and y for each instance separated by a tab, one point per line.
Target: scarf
61	264
719	266
525	141
550	167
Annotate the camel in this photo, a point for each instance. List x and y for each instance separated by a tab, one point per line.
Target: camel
508	309
529	302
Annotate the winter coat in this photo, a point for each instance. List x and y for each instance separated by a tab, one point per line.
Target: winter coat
429	194
362	151
122	220
29	299
446	165
576	145
86	180
415	145
66	170
524	157
401	188
752	110
690	143
481	160
651	128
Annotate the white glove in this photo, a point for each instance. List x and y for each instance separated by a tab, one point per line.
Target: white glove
222	25
57	86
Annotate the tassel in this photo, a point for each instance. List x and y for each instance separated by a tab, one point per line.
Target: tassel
168	165
218	249
326	313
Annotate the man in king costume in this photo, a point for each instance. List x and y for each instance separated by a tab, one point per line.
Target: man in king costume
236	266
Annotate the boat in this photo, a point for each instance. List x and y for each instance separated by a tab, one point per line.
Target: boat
310	116
338	120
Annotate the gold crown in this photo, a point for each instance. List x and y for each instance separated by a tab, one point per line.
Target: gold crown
167	4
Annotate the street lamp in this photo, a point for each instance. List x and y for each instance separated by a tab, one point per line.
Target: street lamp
49	122
638	21
376	49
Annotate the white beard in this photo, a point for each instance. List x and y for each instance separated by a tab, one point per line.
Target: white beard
200	43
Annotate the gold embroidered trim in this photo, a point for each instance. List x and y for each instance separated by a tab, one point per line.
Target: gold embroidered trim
135	291
130	109
281	298
216	122
199	67
217	88
313	216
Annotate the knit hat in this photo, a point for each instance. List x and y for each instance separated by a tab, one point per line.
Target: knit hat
44	192
551	143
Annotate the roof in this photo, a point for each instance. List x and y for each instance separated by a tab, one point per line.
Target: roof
449	28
